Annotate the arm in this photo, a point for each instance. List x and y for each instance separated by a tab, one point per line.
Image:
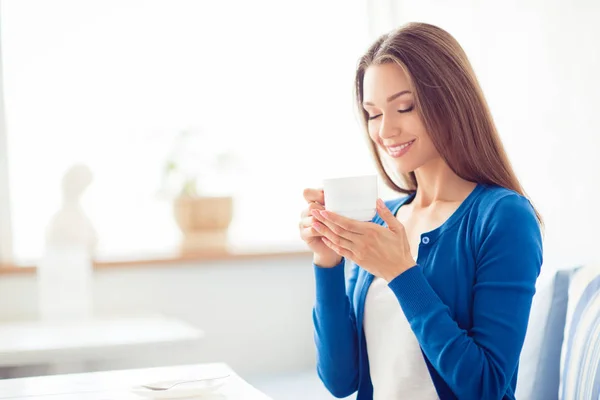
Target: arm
480	364
336	338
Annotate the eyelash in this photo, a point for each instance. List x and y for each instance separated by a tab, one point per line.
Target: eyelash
409	109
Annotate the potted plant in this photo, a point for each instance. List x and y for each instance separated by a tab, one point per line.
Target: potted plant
197	176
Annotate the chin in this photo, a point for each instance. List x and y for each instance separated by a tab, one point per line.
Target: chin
403	166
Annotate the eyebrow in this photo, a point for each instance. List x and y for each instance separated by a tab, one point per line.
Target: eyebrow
391	98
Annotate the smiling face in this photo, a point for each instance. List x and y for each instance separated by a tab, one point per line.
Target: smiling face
394	124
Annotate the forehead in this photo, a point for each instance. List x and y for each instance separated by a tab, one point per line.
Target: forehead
383	80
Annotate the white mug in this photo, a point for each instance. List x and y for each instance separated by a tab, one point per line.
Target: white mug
353	196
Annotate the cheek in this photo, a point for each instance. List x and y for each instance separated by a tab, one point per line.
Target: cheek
374	136
416	127
427	146
373	132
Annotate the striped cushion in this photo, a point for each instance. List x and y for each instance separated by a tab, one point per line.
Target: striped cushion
580	357
539	366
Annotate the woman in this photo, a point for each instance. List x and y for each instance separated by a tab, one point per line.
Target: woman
436	299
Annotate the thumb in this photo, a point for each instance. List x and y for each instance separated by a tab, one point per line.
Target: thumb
386	215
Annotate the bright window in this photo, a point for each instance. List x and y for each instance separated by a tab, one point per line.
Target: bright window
111	83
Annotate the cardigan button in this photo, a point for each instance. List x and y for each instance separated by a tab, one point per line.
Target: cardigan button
425	239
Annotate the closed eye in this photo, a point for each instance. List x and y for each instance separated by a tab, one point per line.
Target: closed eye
409	109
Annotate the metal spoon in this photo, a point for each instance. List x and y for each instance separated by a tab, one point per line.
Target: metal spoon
152	387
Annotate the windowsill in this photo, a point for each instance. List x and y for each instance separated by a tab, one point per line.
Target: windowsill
174	257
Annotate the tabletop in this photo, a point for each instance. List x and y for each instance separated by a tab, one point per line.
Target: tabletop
38	342
117	385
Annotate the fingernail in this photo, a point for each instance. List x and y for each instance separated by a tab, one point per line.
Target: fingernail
323	213
380	203
316	226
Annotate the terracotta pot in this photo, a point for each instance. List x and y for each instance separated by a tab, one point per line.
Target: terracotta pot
204	222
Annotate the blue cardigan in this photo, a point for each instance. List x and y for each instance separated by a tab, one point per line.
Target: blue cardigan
467	301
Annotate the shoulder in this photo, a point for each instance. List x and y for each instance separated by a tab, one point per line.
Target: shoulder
506	238
498	206
504	218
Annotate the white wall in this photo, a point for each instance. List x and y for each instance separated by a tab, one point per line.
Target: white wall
256	314
5	215
538	63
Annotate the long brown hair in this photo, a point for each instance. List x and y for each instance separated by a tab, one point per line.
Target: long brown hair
450	102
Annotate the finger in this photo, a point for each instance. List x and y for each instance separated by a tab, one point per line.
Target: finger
336	239
307	222
339	250
338	230
316	195
312	206
387	216
309	233
347	224
316	206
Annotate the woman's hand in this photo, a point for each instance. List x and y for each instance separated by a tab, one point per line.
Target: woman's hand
323	255
382	251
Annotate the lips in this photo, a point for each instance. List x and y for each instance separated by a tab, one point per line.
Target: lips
398	150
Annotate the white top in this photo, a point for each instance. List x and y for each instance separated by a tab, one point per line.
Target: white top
398	370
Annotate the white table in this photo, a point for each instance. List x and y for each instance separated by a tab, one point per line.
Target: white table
94	339
116	385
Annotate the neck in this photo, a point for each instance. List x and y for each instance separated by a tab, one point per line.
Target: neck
438	183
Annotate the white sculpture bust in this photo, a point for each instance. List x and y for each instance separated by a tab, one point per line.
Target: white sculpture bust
70	227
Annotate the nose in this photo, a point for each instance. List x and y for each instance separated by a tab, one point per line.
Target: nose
387	129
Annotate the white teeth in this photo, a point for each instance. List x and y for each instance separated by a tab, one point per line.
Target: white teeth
400	147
